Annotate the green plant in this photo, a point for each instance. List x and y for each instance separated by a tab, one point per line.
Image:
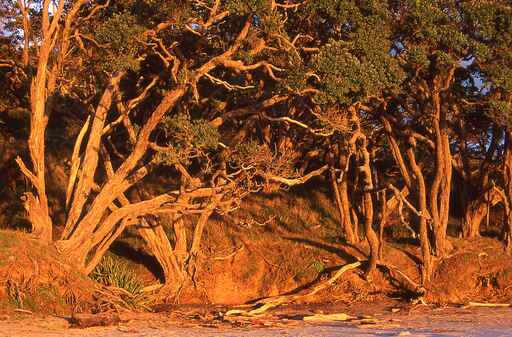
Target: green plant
16	294
114	273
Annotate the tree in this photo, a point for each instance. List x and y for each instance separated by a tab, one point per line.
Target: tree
150	66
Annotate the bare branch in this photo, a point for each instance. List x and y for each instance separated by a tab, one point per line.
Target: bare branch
317	132
75	161
297	181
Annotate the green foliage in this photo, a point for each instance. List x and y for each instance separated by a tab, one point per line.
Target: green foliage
418	58
152	12
121	35
113	273
16	294
319	266
339	10
355	62
501	112
342	75
347	78
187	138
250	153
246	7
501	76
123	288
197	133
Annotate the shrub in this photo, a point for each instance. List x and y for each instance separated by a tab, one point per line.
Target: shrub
114	273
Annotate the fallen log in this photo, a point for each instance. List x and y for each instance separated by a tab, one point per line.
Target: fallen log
91	320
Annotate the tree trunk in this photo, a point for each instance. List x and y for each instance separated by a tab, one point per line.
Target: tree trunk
343	206
89	164
422	200
371	236
37	206
26	31
477	210
473	217
382	223
159	245
441	185
181	243
507	175
96	223
198	237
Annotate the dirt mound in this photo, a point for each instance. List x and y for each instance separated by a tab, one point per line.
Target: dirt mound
32	278
476	270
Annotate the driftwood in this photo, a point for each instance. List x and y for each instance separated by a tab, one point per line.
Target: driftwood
327	317
23	311
488	305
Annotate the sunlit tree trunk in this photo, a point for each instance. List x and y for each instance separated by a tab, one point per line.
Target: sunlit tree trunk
160	246
22	4
477	195
422	203
371	236
340	188
507	175
359	144
442	182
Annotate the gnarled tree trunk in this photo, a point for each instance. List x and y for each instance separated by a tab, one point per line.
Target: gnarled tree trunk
442	183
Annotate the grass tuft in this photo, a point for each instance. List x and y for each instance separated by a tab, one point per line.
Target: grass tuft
122	287
114	273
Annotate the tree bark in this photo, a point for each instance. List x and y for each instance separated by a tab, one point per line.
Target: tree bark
158	243
423	226
89	165
26	32
371	236
477	210
441	185
507	175
341	194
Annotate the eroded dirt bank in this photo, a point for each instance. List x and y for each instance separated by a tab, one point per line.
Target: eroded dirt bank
281	246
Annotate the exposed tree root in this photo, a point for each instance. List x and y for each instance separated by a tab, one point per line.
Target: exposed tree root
405	281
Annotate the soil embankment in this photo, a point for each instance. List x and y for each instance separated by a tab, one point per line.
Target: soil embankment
277	246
